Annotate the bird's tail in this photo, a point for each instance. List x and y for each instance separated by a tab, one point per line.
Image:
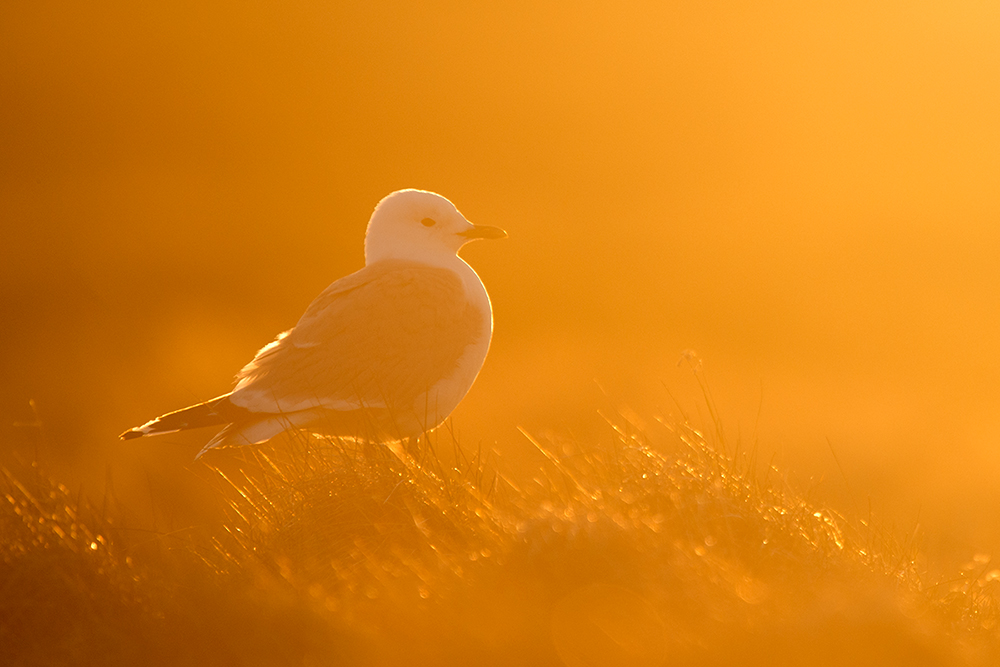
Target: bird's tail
210	413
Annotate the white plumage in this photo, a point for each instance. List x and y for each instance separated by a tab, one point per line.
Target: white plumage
382	354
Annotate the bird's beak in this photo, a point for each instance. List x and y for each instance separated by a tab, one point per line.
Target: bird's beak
483	232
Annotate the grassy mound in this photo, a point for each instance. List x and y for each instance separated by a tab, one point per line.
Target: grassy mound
645	551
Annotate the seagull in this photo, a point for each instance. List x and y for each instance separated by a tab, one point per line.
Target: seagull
383	354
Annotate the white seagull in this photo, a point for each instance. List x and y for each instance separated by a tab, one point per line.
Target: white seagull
383	354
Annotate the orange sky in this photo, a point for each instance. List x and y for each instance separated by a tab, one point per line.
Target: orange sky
806	195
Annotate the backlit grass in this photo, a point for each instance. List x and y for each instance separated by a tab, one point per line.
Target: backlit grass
655	547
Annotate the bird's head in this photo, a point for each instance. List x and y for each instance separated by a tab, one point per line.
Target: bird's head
420	226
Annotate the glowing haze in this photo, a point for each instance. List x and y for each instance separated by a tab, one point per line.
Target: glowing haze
806	195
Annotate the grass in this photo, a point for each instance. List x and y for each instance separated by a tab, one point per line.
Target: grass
655	548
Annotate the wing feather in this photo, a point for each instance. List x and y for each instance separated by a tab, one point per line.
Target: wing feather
378	338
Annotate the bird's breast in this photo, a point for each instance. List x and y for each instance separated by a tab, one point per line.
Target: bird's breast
445	395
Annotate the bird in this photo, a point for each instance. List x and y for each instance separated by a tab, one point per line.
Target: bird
383	354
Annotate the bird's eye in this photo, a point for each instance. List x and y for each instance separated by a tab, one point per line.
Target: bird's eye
428	222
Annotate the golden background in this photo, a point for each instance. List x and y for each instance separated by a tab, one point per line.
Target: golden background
807	195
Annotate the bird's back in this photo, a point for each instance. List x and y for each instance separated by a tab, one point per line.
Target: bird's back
397	335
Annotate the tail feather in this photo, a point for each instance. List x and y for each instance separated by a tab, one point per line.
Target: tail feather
215	412
240	435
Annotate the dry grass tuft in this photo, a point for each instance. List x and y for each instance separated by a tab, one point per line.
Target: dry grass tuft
656	549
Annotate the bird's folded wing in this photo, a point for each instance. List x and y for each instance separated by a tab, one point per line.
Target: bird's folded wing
379	337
